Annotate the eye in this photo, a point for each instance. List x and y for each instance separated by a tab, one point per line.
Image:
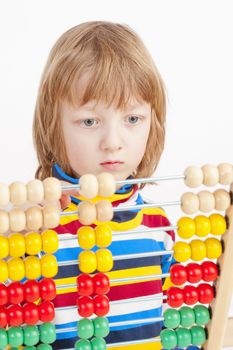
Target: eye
133	119
88	122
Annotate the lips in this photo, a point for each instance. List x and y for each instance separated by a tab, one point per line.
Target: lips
112	162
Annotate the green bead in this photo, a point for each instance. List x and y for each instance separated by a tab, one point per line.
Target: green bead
198	335
15	336
171	318
28	348
31	335
82	344
3	338
44	347
202	315
98	344
85	328
168	339
47	333
184	337
101	327
187	316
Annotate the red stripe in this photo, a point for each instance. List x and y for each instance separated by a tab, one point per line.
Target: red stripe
157	221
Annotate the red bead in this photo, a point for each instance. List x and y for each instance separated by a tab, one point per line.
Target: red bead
101	305
194	273
175	297
85	306
101	283
46	311
47	289
16	293
3	294
3	317
30	314
85	284
190	295
31	291
206	293
14	315
209	271
178	274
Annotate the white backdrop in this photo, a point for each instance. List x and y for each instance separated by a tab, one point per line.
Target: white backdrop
191	42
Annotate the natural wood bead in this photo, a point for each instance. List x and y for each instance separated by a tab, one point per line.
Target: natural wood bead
4	195
51	216
189	203
4	221
34	218
17	219
52	189
206	201
35	191
225	173
88	186
18	193
87	212
193	176
211	175
222	199
107	184
104	210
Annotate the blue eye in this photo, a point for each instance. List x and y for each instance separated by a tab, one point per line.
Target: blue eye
133	118
88	122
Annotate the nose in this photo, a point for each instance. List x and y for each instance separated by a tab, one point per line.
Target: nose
111	139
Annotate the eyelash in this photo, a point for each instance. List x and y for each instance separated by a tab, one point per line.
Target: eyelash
82	121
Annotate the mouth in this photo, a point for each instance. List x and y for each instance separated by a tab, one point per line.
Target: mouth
112	165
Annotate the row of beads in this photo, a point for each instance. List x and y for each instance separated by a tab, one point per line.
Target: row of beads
182	337
98	305
31	267
209	175
197	250
103	185
16	245
88	285
89	212
16	315
190	295
100	260
88	237
97	327
201	226
32	219
39	347
186	316
95	344
205	201
29	335
29	291
194	273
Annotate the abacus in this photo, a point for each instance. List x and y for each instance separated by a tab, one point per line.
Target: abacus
29	250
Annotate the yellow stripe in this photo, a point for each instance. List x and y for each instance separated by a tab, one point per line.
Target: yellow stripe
145	346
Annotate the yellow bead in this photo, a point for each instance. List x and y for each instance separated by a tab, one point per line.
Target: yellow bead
218	224
103	235
86	237
49	241
87	261
32	267
17	246
198	249
104	260
186	227
33	243
4	247
182	251
3	271
203	227
16	269
213	248
49	266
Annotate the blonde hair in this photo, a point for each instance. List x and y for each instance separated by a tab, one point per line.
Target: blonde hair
120	67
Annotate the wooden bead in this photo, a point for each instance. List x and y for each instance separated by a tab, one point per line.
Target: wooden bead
52	189
18	193
193	176
4	221
211	175
88	186
17	219
207	201
189	203
225	173
35	191
107	184
4	195
222	199
51	216
34	218
104	211
86	212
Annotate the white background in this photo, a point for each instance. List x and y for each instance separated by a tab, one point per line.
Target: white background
191	42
